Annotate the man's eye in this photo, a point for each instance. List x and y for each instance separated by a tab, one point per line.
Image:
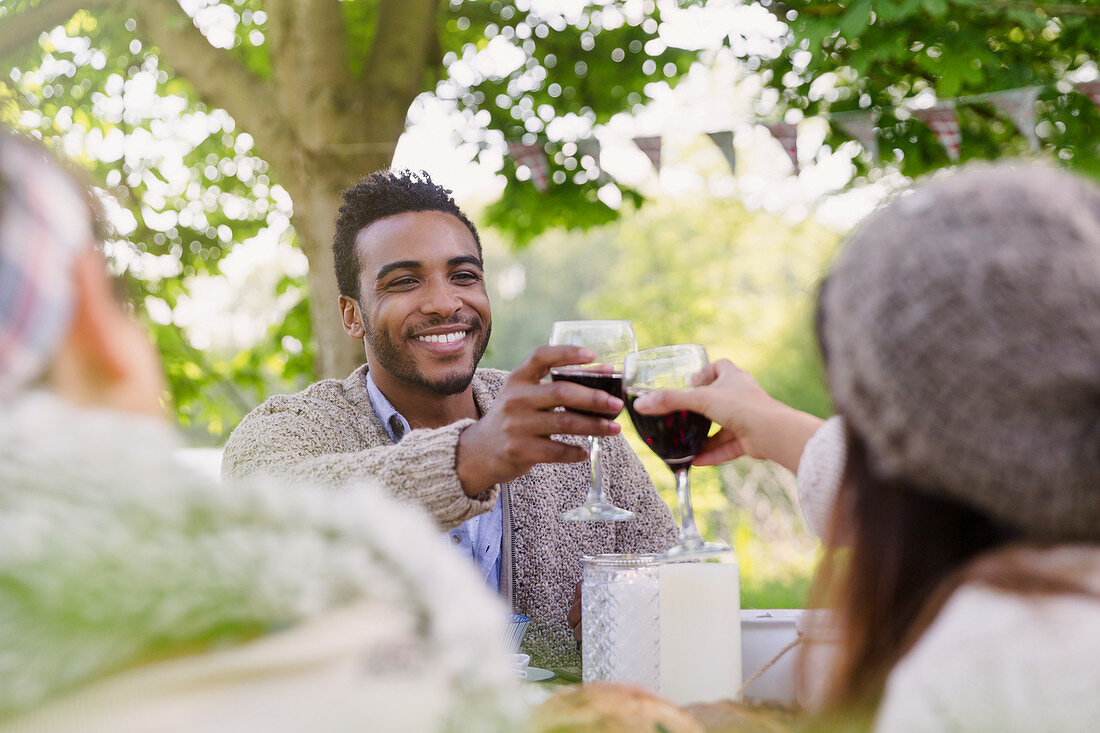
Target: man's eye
467	277
402	282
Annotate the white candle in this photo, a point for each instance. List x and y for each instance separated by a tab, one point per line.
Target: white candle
700	631
635	647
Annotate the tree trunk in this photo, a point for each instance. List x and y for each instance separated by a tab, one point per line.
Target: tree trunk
320	127
316	202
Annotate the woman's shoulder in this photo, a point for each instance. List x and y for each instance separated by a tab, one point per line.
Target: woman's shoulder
1003	660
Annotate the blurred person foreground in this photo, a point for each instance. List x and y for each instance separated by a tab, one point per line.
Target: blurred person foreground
960	329
137	595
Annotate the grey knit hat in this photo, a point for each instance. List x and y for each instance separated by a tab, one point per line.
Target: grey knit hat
962	331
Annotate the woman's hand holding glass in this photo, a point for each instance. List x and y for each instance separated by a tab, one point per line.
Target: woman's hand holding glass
753	422
676	435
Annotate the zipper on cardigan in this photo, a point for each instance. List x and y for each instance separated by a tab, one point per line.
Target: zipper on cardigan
508	549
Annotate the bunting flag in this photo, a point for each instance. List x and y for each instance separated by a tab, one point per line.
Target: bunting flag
943	122
724	140
651	146
534	158
861	127
1090	89
787	135
1018	105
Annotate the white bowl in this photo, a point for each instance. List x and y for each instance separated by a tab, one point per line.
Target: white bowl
517	663
764	634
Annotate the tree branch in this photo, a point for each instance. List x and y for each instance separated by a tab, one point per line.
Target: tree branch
820	10
219	79
394	73
21	29
1049	9
308	43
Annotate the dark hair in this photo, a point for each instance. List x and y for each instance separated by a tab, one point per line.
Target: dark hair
894	554
381	194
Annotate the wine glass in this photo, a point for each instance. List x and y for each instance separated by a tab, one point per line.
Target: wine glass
675	436
612	341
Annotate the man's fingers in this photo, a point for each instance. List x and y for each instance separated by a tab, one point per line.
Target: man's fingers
563	422
545	450
538	364
574	615
573	397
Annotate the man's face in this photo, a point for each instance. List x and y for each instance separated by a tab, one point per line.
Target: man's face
422	295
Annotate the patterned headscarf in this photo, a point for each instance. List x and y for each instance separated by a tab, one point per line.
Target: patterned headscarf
45	223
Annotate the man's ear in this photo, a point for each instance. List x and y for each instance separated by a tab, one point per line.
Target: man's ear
352	317
99	333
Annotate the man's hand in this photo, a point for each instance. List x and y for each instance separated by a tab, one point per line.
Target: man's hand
574	615
515	433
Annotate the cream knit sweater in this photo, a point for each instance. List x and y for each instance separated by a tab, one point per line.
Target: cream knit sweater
329	433
996	662
113	555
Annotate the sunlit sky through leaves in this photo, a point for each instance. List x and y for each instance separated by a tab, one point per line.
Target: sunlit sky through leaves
234	309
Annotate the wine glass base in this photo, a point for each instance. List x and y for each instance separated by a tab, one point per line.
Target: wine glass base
596	513
697	551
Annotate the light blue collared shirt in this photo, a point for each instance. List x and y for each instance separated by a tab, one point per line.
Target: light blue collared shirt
479	537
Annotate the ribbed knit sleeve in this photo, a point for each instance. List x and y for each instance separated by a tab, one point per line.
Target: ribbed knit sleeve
314	437
820	471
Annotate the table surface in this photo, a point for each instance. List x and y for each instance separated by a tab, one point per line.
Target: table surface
720	717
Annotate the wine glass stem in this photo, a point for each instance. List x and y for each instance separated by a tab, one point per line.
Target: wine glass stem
689	534
595	491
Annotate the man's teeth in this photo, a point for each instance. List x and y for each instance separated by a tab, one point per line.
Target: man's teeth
443	338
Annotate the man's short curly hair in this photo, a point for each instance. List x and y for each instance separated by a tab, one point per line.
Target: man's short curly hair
381	194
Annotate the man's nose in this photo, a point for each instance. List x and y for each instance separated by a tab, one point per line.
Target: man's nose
441	298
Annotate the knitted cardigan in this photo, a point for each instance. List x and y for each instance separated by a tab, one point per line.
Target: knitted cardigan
329	433
112	555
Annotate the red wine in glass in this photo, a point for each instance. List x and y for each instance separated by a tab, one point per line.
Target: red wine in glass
676	437
610	341
610	382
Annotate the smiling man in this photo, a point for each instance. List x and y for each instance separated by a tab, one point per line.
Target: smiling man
472	447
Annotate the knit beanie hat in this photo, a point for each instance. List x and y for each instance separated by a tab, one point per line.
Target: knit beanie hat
45	223
961	326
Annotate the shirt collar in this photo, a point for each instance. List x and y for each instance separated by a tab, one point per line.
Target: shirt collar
393	422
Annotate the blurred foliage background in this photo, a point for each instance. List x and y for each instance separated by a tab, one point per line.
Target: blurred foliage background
189	186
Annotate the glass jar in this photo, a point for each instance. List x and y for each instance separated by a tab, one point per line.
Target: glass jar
621	620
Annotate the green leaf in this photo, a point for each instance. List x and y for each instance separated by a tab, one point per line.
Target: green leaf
936	8
856	20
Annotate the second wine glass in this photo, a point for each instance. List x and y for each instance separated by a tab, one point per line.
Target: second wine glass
611	341
675	436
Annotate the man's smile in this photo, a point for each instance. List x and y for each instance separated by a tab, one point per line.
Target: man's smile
447	339
442	338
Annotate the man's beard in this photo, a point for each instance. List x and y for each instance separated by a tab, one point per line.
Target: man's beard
392	357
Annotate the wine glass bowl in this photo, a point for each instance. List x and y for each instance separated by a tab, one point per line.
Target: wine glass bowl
677	436
611	341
